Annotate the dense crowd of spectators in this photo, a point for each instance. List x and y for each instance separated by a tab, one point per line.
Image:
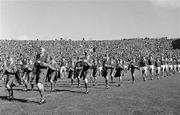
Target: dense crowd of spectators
125	48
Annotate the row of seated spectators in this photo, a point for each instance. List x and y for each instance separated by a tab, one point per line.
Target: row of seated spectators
125	48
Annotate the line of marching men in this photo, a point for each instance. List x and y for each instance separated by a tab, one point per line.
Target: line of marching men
25	67
158	66
21	71
44	68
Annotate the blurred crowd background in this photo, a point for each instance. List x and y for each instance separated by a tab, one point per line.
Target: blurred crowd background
62	48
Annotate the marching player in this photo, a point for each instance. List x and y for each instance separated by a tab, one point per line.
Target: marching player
26	74
117	69
171	66
41	68
78	69
167	66
106	69
63	66
158	67
82	70
110	67
151	67
51	74
104	72
178	61
124	65
143	66
163	66
70	69
93	60
31	74
11	76
175	62
132	67
94	70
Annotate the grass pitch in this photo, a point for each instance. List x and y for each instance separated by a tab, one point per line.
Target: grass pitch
153	97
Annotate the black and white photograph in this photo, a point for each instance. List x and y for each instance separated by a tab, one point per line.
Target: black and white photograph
89	57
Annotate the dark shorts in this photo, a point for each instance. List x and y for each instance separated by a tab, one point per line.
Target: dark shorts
82	74
41	76
51	75
78	73
106	71
70	73
58	74
94	71
118	72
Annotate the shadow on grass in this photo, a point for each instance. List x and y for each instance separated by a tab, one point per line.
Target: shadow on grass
60	85
17	100
22	90
71	91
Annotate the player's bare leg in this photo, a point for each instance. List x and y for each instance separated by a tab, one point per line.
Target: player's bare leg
41	92
85	83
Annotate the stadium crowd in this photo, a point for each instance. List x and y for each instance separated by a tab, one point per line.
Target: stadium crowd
124	48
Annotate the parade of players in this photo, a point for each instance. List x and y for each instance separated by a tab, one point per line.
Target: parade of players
44	68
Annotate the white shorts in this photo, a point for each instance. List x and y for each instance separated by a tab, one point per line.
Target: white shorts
167	67
175	67
158	70
163	67
179	67
144	69
171	67
100	68
152	67
63	69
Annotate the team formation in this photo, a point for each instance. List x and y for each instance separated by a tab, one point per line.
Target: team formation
44	68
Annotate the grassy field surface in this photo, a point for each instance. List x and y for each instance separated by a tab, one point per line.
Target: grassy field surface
153	97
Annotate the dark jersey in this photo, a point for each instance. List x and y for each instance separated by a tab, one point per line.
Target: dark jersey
53	65
43	59
151	61
162	62
142	63
132	66
158	63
